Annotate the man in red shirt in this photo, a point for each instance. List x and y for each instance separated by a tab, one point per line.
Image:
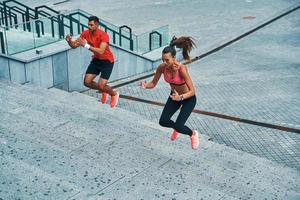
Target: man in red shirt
97	41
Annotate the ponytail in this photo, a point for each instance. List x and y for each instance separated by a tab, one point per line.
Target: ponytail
185	43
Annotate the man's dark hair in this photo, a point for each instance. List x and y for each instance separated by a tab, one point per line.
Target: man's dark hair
94	18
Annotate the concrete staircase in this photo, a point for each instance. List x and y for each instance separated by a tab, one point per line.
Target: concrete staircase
59	145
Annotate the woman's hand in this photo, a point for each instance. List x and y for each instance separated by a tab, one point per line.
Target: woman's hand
143	84
175	96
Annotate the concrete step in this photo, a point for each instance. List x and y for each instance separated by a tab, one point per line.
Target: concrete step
20	180
76	148
60	120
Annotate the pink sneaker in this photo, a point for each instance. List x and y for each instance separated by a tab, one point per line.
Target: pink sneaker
174	135
194	140
114	100
103	97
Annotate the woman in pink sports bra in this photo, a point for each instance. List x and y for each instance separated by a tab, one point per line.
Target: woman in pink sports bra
182	89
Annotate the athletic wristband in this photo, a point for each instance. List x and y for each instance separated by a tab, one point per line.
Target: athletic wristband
87	46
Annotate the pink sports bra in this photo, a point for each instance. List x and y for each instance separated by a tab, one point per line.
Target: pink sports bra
177	80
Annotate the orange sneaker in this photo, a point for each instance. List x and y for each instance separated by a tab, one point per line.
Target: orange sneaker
114	100
174	135
194	140
103	97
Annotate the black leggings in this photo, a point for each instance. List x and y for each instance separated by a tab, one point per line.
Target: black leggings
171	107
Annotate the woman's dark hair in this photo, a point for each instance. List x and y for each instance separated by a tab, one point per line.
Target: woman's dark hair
185	43
94	18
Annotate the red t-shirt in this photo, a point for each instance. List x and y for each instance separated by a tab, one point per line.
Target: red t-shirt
95	41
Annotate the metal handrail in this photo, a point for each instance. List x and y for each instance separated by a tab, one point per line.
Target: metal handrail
10	14
107	28
150	39
27	16
22	12
31	18
36	16
130	36
36	10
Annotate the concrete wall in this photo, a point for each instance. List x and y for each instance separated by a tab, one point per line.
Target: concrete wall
66	67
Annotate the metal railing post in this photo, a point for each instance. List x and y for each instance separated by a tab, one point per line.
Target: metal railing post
130	36
43	29
5	13
37	26
23	20
2	42
2	16
16	20
71	25
52	27
62	27
27	18
150	39
9	14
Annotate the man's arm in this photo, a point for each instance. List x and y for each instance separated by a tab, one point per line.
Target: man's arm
99	50
95	50
72	44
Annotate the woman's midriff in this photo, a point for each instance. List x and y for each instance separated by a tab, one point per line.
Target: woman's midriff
181	89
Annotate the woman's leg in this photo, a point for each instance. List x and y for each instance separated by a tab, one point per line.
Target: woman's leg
170	108
187	107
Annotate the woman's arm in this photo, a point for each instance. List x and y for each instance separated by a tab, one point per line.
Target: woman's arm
155	79
184	73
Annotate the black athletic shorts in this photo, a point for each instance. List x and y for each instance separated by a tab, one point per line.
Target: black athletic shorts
100	66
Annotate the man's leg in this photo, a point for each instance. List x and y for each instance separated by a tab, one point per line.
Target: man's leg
104	87
90	74
89	81
106	69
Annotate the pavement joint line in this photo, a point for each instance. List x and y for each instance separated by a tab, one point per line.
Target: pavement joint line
141	172
224	194
60	125
72	151
122	177
215	49
212	114
163	164
61	2
73	195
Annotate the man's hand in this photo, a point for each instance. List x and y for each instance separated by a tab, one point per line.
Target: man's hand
73	44
81	41
69	38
